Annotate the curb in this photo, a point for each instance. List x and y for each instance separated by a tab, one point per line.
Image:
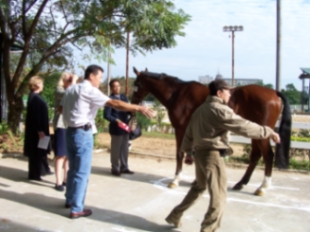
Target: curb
144	155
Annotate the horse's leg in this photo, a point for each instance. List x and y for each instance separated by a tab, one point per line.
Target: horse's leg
175	182
254	158
268	158
179	159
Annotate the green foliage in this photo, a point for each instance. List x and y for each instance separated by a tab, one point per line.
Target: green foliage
154	134
4	128
270	86
50	84
299	164
101	123
300	139
143	121
99	25
160	112
292	94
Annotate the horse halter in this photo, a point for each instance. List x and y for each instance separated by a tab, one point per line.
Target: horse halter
136	87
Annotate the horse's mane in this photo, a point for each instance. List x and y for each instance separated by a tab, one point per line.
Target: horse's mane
161	76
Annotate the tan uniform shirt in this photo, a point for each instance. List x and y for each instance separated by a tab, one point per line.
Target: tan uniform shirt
210	123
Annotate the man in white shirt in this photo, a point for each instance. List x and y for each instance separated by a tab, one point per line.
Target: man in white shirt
79	107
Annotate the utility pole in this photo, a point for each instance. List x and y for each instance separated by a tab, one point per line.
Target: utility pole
127	61
278	52
232	29
1	81
109	71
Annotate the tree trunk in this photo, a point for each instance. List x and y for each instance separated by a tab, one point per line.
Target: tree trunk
15	111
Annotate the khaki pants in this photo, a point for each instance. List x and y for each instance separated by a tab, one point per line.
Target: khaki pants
211	174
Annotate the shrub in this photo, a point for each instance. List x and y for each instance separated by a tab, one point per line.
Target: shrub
4	128
101	123
143	121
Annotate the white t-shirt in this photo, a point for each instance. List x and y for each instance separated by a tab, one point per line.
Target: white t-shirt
80	104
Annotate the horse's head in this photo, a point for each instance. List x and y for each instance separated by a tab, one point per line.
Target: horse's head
140	88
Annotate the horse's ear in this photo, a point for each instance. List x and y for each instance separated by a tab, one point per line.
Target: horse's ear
136	71
146	70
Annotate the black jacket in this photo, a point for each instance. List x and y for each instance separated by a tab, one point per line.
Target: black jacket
36	120
111	115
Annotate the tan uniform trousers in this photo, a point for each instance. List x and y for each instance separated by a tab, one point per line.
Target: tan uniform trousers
211	174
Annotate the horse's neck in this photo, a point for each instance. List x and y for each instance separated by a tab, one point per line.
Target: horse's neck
161	91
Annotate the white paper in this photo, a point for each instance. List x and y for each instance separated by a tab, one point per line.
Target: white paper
43	143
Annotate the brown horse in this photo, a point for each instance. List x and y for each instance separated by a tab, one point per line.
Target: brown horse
253	102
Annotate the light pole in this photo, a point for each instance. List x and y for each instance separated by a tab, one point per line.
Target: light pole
232	29
1	83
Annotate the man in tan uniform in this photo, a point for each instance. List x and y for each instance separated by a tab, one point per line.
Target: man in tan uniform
207	135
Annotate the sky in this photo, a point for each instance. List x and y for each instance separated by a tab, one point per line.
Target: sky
206	49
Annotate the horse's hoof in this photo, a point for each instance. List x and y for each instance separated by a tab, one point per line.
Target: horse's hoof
172	185
189	160
259	192
238	187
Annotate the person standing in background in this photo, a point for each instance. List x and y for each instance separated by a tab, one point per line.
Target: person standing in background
60	149
119	137
36	128
79	106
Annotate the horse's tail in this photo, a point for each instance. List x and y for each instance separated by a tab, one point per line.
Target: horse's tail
283	148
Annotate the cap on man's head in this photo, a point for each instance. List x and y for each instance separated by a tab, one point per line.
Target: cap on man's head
216	85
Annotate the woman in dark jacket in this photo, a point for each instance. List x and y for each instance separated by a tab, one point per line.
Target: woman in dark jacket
36	127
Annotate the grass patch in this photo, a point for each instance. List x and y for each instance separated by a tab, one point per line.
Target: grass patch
299	164
294	164
154	134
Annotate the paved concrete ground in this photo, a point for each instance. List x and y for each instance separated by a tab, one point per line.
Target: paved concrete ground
140	202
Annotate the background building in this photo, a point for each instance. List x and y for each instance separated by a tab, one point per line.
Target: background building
238	81
205	79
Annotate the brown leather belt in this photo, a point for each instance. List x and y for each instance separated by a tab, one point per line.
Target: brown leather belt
85	127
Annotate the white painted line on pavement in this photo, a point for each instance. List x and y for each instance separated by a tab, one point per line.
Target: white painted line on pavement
159	184
271	187
122	229
268	204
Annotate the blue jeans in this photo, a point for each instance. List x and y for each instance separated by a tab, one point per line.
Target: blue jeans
79	148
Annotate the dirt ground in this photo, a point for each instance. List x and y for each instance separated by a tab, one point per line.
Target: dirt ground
300	118
145	145
154	146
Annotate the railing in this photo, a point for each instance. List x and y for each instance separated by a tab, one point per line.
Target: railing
294	144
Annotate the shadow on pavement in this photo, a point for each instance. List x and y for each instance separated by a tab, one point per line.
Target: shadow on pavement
8	225
243	191
18	175
56	206
138	176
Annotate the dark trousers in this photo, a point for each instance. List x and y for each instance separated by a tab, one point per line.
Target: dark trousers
38	165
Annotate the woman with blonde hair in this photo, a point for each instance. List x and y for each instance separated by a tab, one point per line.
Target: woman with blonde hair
60	150
36	128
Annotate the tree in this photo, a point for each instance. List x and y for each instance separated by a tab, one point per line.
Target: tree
261	83
47	30
270	86
50	84
292	94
